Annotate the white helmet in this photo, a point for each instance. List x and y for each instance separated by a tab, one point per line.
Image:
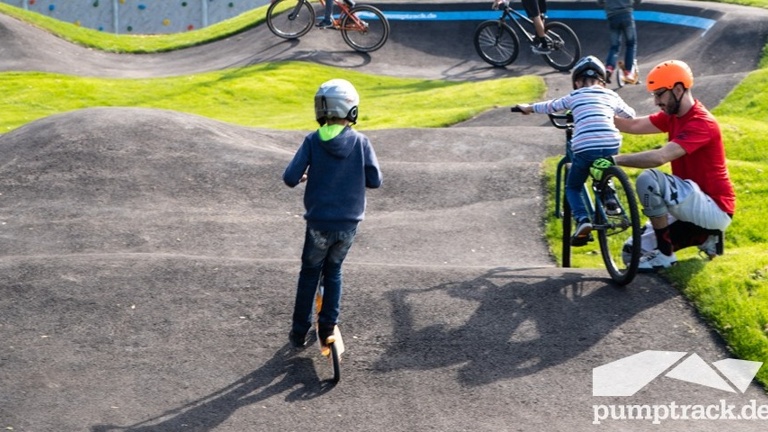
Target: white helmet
336	98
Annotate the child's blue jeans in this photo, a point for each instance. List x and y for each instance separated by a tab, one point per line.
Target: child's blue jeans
577	175
324	252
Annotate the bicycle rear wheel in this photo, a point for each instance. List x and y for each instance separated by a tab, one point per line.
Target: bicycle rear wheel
612	230
566	48
290	19
365	28
496	43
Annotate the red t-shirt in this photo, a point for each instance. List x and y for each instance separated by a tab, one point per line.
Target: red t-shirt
698	133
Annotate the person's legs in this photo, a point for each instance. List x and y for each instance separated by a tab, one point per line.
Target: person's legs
340	244
630	40
312	258
332	277
615	33
574	186
328	18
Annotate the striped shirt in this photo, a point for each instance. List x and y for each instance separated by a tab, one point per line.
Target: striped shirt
593	110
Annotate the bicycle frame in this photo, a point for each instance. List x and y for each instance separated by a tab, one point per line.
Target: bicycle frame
511	15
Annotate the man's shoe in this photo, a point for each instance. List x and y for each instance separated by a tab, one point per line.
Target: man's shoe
709	247
297	340
581	236
655	260
325	25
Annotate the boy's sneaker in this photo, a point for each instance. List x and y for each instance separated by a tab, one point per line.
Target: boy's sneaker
325	24
610	202
655	260
297	340
709	247
350	3
325	331
541	46
581	235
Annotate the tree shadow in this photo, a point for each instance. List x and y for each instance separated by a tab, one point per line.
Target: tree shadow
284	372
523	323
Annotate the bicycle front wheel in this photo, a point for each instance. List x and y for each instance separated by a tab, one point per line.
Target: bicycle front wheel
496	43
617	224
566	48
365	28
290	19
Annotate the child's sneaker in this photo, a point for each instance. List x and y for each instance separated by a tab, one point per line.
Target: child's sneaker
581	235
325	331
655	260
297	340
325	24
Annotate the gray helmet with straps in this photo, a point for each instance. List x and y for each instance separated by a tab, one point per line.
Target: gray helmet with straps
589	66
336	98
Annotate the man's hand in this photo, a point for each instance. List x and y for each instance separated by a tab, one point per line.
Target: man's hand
599	166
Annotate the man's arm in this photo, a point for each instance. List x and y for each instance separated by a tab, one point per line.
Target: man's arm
637	125
650	158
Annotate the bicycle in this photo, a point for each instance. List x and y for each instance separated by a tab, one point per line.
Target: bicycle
608	222
333	346
498	44
363	27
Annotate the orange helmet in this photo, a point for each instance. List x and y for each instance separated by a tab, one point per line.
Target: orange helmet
669	73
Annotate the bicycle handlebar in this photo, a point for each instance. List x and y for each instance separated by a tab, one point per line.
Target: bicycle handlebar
561	121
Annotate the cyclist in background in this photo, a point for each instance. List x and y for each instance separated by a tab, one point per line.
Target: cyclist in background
697	201
535	9
594	134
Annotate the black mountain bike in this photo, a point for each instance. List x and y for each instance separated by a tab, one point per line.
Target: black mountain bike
498	44
613	224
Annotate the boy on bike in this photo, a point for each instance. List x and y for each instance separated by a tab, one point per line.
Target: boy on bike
691	206
594	136
535	10
338	164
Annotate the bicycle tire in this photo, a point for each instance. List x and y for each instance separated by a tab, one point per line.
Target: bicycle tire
567	222
282	21
376	31
567	229
566	48
496	43
336	361
609	227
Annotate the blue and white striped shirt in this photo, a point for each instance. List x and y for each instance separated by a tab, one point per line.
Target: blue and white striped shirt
593	110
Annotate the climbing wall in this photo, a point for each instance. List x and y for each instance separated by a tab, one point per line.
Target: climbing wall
139	16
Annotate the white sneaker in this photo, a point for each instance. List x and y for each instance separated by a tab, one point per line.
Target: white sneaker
709	247
655	260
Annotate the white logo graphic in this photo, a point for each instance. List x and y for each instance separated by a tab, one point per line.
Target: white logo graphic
625	377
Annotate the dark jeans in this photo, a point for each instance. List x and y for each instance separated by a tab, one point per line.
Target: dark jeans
622	26
577	176
324	252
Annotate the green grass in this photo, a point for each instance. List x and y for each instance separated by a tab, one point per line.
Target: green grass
238	96
731	292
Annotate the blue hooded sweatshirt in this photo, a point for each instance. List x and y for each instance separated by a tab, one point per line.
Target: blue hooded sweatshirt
338	171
